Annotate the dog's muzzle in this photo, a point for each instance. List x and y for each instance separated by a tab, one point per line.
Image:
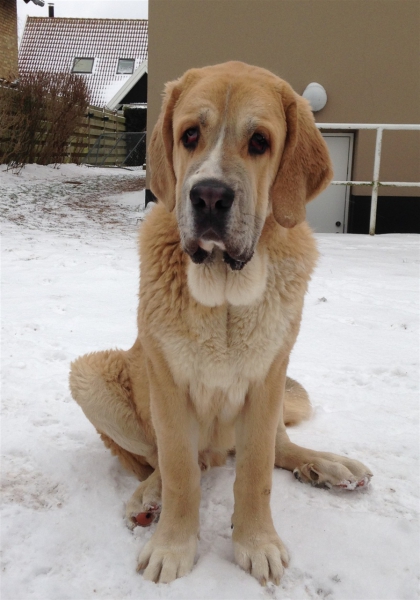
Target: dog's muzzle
211	201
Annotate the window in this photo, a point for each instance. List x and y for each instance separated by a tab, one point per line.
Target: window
125	66
83	65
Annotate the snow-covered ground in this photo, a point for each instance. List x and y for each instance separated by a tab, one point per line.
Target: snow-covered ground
69	286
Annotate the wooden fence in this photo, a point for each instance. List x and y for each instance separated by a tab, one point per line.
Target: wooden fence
96	122
93	125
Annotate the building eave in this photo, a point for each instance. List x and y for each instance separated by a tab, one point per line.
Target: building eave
127	86
37	2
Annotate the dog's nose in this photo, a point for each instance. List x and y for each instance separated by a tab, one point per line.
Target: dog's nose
211	196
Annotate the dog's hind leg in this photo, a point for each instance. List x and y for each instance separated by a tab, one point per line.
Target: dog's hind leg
138	465
146	500
321	469
101	384
297	406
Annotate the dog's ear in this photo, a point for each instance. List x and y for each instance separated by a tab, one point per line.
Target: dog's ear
162	180
305	166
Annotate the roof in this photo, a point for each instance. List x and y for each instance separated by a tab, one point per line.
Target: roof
127	86
52	44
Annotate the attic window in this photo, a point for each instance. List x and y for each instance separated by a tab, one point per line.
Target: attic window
125	66
82	65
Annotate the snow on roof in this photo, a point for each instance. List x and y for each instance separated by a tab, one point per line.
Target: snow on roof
121	91
52	44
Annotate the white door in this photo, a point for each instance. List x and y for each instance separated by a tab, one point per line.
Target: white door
328	213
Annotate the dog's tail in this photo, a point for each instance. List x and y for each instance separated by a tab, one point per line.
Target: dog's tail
297	406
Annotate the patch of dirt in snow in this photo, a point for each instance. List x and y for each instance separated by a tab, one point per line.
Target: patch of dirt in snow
70	206
22	484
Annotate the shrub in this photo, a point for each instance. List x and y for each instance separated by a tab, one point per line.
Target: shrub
39	117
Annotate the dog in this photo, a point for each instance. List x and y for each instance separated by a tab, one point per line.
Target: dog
226	256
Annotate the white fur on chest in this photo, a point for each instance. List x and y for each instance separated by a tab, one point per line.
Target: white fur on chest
216	284
219	352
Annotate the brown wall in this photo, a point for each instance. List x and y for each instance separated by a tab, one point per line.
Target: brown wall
364	52
8	40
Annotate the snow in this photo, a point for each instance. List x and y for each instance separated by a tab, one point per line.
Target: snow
69	286
113	88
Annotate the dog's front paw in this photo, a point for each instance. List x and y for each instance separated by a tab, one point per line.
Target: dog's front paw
264	559
163	562
333	471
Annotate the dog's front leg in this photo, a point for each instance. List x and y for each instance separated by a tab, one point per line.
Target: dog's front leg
170	552
258	549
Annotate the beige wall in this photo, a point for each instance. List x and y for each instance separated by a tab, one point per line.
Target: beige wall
364	52
8	40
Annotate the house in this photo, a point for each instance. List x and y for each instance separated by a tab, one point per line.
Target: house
111	54
363	52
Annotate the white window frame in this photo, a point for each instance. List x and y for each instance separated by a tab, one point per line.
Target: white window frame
133	61
83	58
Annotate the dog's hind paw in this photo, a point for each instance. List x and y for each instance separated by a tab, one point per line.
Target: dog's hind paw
334	472
145	504
352	485
146	517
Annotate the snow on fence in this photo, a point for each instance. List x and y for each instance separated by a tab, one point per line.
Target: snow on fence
375	183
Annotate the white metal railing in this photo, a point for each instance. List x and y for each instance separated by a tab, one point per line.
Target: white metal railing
375	183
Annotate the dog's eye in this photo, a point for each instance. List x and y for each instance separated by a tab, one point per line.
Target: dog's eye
257	144
190	138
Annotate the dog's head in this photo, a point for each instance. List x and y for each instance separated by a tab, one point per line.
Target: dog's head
232	144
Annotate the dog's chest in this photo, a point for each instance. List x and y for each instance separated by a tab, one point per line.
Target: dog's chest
226	347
